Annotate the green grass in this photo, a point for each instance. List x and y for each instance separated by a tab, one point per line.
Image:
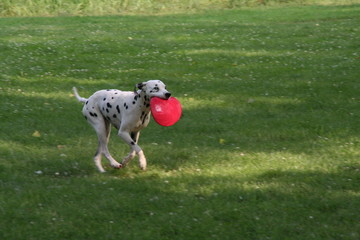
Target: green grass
116	7
267	148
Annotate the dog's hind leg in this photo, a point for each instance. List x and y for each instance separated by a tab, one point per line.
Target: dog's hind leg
101	138
106	152
97	160
102	128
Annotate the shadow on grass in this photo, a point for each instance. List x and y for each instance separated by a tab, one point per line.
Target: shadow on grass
295	204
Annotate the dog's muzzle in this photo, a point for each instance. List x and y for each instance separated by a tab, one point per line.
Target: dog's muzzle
167	95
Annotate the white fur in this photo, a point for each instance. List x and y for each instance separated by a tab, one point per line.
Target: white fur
128	112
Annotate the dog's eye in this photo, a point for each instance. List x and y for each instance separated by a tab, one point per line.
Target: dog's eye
155	89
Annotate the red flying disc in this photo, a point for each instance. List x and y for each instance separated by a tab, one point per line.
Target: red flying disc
165	112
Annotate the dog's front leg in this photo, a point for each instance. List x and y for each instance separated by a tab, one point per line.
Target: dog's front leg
134	148
132	153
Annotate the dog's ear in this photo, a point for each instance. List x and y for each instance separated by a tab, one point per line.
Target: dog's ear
140	85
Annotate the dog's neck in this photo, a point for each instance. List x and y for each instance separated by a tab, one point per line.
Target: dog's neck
144	101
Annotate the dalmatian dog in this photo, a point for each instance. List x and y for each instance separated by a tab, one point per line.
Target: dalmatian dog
127	111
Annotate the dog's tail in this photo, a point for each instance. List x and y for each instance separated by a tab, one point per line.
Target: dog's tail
80	99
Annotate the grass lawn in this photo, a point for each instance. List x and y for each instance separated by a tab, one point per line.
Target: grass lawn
267	148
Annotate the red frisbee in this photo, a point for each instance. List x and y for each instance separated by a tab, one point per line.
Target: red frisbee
165	112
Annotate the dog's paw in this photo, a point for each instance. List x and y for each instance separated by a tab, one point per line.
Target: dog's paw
142	164
117	166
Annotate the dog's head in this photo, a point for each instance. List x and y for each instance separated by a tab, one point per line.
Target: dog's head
154	88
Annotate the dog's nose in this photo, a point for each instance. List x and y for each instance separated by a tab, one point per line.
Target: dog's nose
167	95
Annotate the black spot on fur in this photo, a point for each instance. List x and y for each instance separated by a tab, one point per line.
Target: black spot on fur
87	102
114	116
118	108
93	114
112	97
133	102
85	117
108	118
132	143
104	99
108	105
107	110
